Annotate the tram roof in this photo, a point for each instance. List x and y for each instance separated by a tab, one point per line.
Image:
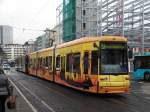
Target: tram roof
85	40
93	39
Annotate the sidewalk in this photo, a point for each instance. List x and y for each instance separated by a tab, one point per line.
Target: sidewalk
21	105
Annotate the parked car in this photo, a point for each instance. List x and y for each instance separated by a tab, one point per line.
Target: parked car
6	67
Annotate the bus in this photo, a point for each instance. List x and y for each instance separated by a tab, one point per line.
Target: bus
91	64
142	67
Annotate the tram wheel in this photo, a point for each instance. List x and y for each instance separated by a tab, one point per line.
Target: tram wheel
147	76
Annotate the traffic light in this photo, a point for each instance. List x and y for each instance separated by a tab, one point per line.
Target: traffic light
130	54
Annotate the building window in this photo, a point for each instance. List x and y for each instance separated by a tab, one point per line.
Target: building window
84	26
84	12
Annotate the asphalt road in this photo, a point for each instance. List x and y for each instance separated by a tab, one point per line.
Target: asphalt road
36	95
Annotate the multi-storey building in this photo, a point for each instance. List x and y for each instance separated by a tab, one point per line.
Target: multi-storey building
13	51
30	46
79	19
41	42
6	34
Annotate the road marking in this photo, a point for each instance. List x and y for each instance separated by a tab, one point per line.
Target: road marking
27	101
44	103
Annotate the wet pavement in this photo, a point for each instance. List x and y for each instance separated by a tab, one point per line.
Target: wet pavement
36	95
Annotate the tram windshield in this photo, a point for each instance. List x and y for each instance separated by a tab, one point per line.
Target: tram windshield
114	58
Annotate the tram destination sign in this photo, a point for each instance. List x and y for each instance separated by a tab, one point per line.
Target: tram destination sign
112	46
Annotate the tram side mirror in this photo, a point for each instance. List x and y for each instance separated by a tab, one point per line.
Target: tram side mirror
130	53
95	45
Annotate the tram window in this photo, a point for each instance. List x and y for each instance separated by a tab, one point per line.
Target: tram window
76	63
34	63
94	62
42	61
86	63
31	62
50	62
58	62
46	62
38	62
63	63
69	62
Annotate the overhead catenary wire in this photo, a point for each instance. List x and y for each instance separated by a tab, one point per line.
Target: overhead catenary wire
38	13
28	29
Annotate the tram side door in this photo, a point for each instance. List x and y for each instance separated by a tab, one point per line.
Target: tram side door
86	71
58	67
62	71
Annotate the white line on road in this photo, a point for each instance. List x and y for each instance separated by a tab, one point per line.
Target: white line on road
46	105
27	101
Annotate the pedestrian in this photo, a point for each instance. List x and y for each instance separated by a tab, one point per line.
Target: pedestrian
5	90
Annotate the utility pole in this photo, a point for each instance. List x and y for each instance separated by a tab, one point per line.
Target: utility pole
48	34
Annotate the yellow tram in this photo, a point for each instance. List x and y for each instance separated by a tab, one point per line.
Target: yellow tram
95	64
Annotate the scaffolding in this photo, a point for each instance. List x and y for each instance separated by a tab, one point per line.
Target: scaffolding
69	20
129	18
59	24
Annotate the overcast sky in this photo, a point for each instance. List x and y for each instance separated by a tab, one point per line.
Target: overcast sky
28	14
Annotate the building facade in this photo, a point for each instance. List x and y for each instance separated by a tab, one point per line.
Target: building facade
79	19
29	46
6	34
58	34
13	51
41	42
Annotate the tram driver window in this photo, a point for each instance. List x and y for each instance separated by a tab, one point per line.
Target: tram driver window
94	62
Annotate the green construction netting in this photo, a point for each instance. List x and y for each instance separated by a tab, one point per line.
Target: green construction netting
69	20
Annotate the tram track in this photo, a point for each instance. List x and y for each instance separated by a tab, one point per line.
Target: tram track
68	100
44	107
